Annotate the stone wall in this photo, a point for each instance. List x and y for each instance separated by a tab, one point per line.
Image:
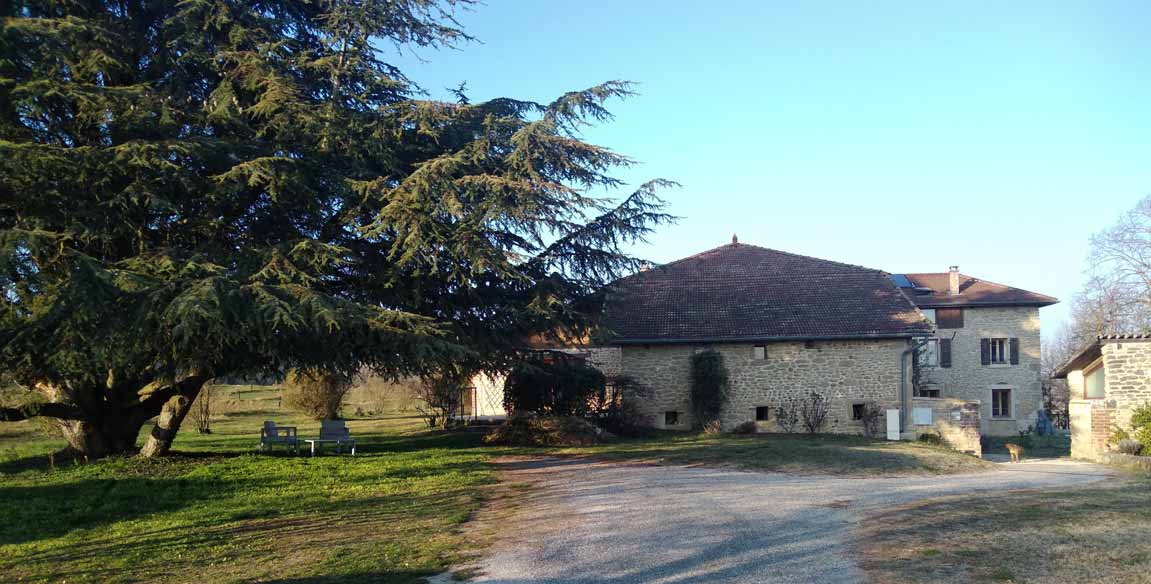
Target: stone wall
954	420
969	380
846	372
1092	421
1127	376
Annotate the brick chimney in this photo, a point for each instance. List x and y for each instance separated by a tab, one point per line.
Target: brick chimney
953	281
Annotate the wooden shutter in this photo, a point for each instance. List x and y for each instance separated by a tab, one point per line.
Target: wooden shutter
945	352
985	351
949	318
1014	350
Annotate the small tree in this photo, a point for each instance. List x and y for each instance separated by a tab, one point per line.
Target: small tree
709	381
440	397
787	415
554	383
316	393
813	411
201	412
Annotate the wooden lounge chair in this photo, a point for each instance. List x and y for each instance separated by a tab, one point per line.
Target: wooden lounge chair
271	435
333	432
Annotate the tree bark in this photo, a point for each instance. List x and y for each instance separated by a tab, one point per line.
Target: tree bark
172	415
99	438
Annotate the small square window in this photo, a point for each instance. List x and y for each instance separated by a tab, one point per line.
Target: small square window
809	344
857	411
671	418
762	413
759	353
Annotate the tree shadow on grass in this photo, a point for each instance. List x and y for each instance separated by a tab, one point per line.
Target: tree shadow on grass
51	510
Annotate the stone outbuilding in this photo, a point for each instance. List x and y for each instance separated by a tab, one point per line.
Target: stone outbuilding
1107	381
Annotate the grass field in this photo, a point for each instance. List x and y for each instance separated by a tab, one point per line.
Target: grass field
219	512
1090	534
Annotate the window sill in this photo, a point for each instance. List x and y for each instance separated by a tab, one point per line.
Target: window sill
994	419
1000	365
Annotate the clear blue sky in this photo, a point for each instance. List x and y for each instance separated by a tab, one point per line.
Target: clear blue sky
904	136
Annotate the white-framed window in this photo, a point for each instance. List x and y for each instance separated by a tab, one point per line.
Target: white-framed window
999	351
759	352
929	353
929	314
1001	406
1094	382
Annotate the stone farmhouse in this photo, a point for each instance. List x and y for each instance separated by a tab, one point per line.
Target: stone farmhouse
788	325
1107	380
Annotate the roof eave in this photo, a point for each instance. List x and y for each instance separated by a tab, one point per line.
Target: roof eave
769	338
989	304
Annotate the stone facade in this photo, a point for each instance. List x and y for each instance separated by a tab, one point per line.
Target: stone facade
1127	376
954	420
969	380
846	372
1126	386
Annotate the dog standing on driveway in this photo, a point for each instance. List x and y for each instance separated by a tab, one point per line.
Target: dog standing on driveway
1015	450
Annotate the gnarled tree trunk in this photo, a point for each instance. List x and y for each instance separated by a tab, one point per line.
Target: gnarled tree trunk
159	441
101	427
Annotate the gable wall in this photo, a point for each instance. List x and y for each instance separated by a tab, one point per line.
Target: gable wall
968	379
845	371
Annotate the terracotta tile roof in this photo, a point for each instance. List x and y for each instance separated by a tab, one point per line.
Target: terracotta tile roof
744	292
972	292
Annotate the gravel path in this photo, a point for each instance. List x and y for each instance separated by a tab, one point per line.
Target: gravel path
619	523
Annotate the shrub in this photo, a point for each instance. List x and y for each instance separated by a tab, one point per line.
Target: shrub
748	427
619	413
787	415
1128	446
1117	436
1141	426
813	412
708	386
525	429
554	383
932	439
439	397
871	416
713	427
316	393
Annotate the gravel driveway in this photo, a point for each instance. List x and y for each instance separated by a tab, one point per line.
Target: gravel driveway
615	523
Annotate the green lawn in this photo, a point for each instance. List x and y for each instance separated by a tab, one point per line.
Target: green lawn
1099	533
219	512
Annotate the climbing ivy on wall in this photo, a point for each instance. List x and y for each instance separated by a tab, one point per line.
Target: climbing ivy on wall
709	385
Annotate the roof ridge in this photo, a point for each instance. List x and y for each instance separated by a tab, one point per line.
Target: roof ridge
773	250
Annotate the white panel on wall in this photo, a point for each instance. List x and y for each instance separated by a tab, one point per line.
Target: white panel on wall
893	424
921	416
